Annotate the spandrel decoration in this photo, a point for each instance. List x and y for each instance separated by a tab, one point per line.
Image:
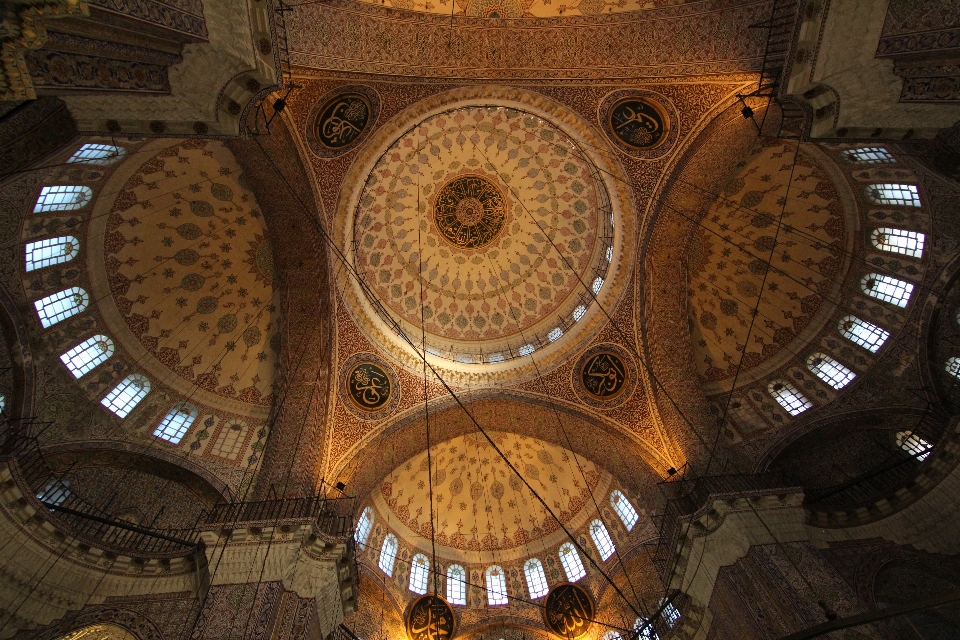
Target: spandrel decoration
568	610
605	376
640	123
341	120
637	122
430	617
368	386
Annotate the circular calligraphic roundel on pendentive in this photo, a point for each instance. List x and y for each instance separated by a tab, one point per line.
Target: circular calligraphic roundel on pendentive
368	386
430	617
342	119
568	610
604	376
469	211
639	123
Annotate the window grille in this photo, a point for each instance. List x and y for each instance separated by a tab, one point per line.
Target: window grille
536	578
609	254
902	241
364	526
126	395
176	423
555	334
98	154
900	195
46	253
670	614
62	197
611	635
419	572
56	492
866	334
601	538
527	349
869	155
456	585
645	633
829	370
788	397
494	358
388	554
496	586
87	355
628	515
914	445
61	305
597	284
887	289
572	565
578	312
230	440
953	366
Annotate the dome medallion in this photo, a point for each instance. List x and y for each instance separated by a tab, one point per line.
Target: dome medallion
487	228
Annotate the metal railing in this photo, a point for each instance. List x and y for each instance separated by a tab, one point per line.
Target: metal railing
333	516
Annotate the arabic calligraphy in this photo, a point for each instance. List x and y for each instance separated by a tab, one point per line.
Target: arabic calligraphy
604	375
369	386
568	610
430	618
469	212
342	119
637	123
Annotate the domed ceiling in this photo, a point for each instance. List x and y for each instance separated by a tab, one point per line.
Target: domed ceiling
472	206
191	271
480	504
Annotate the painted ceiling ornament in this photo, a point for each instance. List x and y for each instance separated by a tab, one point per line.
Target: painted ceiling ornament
342	119
469	212
568	610
430	617
640	123
369	388
605	376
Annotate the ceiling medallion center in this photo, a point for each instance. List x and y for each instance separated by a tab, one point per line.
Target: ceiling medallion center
469	212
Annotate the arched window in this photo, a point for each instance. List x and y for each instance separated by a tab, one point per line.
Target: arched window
496	586
578	312
46	253
364	526
597	285
536	578
388	554
99	154
628	515
902	241
61	305
869	155
866	334
611	635
829	370
554	334
788	397
230	440
887	289
670	614
527	349
56	492
645	632
953	366
62	197
176	423
87	355
914	445
601	538
572	565
900	195
456	585
126	395
419	572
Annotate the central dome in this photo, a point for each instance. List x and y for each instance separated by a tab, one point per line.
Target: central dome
486	226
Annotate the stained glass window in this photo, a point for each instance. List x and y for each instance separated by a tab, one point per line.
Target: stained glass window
126	395
902	241
419	573
578	312
230	440
388	554
788	397
829	370
597	285
536	578
61	305
62	197
364	526
176	422
601	538
99	154
628	515
496	586
51	251
572	565
456	585
866	334
527	349
869	155
914	445
87	355
554	334
887	289
901	195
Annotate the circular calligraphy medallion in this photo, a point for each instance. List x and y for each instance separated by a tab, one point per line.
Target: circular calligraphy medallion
469	212
568	610
430	617
368	386
640	123
604	376
341	120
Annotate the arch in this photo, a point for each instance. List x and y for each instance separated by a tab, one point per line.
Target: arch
50	251
62	197
903	241
496	586
127	395
388	554
893	193
829	370
87	355
456	585
141	627
887	289
174	426
570	560
419	574
364	526
536	578
601	539
868	155
787	396
863	333
61	305
628	515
